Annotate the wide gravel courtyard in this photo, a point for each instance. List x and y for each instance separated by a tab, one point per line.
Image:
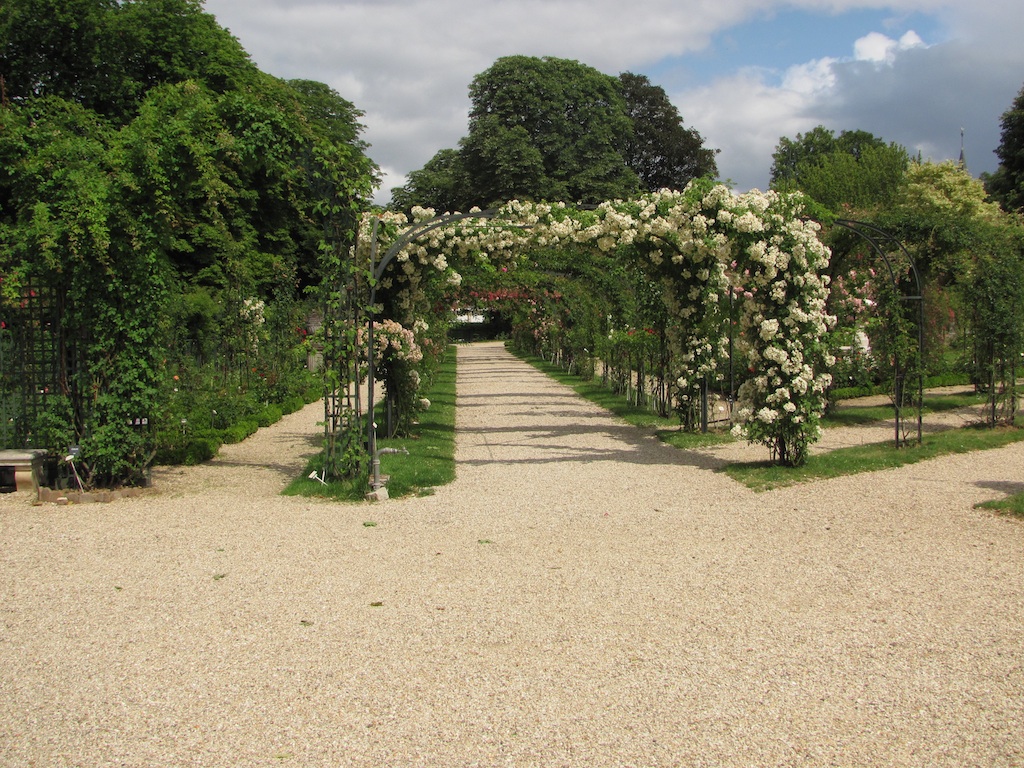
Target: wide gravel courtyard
581	595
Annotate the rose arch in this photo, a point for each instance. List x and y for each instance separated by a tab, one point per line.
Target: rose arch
711	252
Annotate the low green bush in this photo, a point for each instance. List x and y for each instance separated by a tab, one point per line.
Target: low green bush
188	450
271	414
236	433
293	404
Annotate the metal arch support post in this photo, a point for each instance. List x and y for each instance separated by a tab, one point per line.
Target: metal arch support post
378	267
873	235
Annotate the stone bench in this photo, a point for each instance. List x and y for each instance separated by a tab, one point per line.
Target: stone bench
21	470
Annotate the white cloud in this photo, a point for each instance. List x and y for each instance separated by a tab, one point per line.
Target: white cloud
882	49
900	89
408	63
811	77
744	116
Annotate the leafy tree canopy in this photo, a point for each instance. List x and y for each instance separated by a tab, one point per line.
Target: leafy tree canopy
556	129
662	151
946	218
441	184
546	129
156	186
1007	184
105	54
791	154
852	170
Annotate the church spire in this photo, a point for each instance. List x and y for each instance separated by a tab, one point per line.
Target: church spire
963	158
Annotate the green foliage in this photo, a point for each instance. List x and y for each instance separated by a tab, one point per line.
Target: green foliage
205	406
541	129
1007	184
546	129
792	155
54	48
441	184
155	194
106	55
662	152
554	129
944	214
841	182
430	461
187	450
54	426
855	170
964	242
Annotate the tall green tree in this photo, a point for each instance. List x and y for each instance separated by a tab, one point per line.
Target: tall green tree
855	170
105	54
153	183
441	184
1007	184
791	155
338	174
546	128
663	152
843	182
557	129
54	48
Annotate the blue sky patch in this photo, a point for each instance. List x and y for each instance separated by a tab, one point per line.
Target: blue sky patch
776	41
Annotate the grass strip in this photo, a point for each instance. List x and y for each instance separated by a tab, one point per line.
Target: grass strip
851	414
1012	505
431	458
763	476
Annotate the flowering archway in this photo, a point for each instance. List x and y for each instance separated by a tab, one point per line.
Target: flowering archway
706	247
904	345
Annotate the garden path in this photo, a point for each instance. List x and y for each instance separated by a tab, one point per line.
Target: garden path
581	595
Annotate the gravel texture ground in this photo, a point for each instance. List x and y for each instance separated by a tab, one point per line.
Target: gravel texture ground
582	595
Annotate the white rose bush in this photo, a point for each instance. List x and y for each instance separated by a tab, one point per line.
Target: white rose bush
720	258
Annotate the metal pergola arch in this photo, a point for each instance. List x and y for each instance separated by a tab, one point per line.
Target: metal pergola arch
377	269
876	238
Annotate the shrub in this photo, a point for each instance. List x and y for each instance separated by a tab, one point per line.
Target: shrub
186	450
237	432
270	414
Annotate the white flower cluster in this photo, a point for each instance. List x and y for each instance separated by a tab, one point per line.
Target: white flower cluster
252	314
251	311
391	339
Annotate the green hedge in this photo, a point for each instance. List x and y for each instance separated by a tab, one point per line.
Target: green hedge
194	446
941	380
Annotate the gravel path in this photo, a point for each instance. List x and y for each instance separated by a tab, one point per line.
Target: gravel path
582	595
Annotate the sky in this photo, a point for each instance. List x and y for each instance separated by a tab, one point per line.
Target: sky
743	73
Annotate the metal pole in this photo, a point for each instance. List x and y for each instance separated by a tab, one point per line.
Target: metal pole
704	404
371	427
920	364
732	375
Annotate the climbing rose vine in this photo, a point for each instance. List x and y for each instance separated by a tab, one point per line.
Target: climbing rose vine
751	259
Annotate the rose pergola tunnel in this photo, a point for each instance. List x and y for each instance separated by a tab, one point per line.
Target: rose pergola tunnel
721	262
